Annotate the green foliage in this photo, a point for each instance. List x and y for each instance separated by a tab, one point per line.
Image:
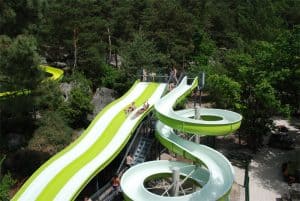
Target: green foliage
265	95
258	76
225	92
205	57
19	73
286	59
140	54
171	29
50	96
6	181
18	17
114	78
204	46
83	26
78	106
19	62
52	134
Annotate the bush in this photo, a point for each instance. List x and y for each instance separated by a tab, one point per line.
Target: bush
52	135
5	183
78	106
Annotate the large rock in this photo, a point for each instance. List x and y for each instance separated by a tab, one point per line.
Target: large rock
101	98
66	89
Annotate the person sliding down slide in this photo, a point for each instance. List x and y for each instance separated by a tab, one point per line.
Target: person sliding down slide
130	108
143	109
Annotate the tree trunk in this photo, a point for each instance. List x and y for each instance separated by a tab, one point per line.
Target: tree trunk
75	40
116	59
109	44
1	161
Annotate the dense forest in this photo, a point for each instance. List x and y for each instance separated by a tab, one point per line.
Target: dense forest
249	50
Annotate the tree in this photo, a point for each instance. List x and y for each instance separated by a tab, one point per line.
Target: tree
19	17
19	63
78	106
80	42
171	29
52	134
225	92
285	58
50	96
259	100
6	181
205	56
140	54
19	74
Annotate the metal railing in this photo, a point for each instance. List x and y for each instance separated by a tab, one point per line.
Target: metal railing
106	191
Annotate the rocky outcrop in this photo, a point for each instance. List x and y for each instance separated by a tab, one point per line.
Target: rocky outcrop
101	98
66	89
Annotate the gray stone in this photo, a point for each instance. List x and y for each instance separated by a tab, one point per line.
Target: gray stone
66	89
101	98
59	64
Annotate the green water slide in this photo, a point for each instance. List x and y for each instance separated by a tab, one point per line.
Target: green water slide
56	74
211	171
64	175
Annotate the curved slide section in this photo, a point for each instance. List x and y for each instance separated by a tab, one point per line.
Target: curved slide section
63	176
212	121
56	74
213	171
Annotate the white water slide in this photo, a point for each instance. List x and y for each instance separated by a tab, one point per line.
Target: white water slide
64	175
211	171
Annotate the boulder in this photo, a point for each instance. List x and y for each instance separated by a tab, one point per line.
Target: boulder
66	89
101	98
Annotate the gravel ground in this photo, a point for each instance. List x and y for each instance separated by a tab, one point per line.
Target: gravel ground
266	181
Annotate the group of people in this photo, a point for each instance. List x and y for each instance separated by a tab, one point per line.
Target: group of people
146	75
132	107
173	75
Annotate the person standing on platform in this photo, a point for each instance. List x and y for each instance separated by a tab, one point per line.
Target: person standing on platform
129	161
116	183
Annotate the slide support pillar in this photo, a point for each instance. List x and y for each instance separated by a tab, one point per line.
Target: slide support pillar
197	116
176	181
197	139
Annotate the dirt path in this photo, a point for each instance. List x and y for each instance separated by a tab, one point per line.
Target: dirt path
266	180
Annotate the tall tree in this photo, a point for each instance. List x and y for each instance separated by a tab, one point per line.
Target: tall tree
17	17
19	73
259	100
78	106
140	54
6	181
80	42
171	28
286	59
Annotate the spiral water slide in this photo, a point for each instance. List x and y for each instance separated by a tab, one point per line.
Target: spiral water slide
210	170
64	175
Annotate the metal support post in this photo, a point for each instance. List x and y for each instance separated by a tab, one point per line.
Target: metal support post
197	116
176	181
